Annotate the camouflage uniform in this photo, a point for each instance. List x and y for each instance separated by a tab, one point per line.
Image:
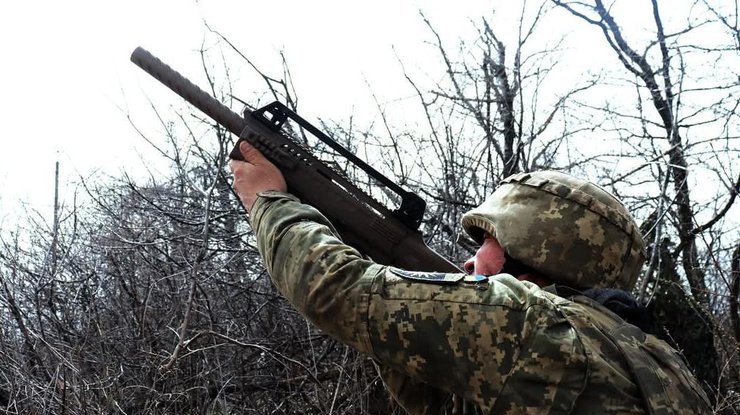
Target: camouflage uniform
469	344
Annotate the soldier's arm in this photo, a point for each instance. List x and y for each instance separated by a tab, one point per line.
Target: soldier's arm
461	337
326	280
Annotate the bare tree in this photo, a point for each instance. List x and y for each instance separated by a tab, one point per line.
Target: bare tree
490	115
680	104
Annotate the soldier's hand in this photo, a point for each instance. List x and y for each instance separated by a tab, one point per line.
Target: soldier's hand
255	174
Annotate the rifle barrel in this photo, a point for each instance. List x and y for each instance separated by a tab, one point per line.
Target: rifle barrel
188	90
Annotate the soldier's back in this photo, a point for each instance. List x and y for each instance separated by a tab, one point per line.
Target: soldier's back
630	371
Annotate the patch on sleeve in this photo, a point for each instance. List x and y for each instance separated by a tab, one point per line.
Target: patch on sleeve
476	278
433	277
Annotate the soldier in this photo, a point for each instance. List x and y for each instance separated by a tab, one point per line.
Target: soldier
534	327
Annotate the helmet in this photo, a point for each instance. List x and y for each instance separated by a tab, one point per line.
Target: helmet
569	229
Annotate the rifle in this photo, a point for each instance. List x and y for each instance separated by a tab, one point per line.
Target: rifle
388	237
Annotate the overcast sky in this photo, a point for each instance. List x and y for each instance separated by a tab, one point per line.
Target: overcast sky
67	80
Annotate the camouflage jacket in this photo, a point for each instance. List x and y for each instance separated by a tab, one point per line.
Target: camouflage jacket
501	345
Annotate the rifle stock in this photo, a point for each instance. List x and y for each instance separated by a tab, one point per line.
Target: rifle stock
361	221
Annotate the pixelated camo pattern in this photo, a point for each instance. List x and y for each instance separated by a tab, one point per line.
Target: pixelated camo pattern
463	346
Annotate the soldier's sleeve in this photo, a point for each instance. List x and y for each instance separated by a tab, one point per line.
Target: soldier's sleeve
455	333
325	280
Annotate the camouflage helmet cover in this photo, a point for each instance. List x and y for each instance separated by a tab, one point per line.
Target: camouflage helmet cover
569	229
